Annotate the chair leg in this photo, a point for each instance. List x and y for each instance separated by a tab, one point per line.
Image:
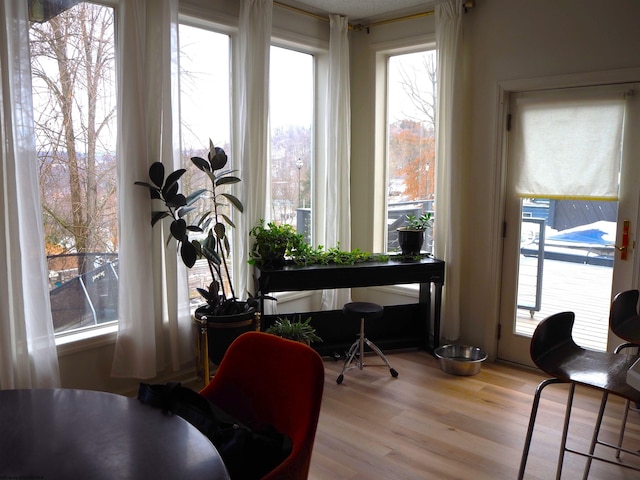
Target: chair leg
565	430
532	422
596	433
623	426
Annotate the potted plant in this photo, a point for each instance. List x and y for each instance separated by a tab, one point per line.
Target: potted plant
300	331
273	243
222	308
411	235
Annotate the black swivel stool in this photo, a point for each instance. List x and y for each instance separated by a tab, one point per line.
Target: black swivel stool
363	311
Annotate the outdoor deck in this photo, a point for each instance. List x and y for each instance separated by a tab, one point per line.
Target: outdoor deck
577	287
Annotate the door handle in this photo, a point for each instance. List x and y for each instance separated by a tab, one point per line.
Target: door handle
624	248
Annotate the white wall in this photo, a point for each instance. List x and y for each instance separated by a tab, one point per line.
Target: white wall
514	40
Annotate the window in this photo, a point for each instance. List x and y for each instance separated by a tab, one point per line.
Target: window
74	96
205	102
411	100
291	96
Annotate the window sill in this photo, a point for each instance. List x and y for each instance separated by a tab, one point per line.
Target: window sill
86	339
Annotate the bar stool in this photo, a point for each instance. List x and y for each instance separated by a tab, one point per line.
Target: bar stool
363	311
554	351
624	321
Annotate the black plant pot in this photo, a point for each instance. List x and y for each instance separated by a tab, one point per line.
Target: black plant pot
222	330
272	258
410	241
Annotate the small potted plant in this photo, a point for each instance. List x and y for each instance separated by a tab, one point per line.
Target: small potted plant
273	243
411	235
298	330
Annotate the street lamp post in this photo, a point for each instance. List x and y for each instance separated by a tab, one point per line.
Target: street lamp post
299	165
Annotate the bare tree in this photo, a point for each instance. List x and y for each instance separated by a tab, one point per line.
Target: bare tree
73	71
421	94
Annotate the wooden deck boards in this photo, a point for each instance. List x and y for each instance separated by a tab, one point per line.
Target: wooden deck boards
582	289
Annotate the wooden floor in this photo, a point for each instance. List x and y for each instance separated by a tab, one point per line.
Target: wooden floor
426	424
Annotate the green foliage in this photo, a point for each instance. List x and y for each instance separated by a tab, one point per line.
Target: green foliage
300	331
308	255
294	247
274	240
422	222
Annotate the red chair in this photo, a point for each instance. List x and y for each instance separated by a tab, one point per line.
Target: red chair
270	380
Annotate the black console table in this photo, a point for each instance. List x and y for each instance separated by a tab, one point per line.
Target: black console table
403	326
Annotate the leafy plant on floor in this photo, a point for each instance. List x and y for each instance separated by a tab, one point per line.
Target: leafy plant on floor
298	330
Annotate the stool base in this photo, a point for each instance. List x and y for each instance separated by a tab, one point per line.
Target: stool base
358	348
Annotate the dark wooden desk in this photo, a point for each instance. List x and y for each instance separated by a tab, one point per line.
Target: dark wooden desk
67	434
413	321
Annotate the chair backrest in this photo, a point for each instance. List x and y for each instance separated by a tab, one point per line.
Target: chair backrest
270	380
552	342
624	309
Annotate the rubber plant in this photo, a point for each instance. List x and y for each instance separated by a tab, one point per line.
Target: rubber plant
215	247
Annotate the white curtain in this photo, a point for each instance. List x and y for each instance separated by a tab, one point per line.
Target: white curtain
253	126
28	356
447	231
334	221
155	328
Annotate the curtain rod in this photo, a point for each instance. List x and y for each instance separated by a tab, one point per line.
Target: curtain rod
359	27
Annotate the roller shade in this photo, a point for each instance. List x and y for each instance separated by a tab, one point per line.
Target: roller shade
568	143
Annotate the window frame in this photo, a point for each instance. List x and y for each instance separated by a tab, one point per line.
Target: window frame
383	54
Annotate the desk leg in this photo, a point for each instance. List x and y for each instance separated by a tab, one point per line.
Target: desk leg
436	316
425	312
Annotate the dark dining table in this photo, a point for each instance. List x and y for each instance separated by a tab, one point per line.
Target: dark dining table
80	434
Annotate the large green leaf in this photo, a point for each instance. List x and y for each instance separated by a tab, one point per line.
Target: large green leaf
172	181
220	230
158	215
226	180
188	254
217	157
192	197
234	200
156	174
228	220
201	163
179	229
175	199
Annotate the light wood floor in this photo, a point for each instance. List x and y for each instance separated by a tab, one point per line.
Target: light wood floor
429	425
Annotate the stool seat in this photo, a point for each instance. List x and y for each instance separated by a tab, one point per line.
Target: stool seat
366	310
362	311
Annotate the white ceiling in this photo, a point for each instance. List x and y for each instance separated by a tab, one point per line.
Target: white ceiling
362	9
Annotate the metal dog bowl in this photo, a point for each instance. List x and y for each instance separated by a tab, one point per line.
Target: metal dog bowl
460	359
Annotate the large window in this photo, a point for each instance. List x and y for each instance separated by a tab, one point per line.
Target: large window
411	98
205	102
74	95
291	101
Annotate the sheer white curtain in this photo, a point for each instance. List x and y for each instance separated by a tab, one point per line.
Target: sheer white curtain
253	125
448	158
155	329
334	221
28	356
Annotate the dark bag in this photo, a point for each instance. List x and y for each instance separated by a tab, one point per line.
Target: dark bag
247	453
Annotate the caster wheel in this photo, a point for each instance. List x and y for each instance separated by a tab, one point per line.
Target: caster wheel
394	374
340	378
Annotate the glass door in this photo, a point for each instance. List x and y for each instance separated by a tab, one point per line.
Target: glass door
566	211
